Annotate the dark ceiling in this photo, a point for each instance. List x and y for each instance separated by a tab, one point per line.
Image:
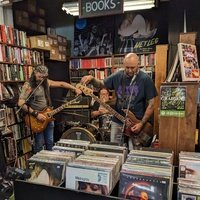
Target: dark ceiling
55	16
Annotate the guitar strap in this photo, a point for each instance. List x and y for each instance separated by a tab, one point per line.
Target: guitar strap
47	95
129	99
123	101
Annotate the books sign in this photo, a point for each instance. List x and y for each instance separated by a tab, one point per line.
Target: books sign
172	101
93	8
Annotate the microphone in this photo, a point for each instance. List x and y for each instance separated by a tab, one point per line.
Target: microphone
133	79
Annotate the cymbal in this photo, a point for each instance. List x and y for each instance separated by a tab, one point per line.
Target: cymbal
70	113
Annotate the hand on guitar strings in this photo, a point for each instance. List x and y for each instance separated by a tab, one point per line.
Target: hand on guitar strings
137	127
41	117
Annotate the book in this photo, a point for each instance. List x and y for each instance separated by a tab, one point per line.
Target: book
188	62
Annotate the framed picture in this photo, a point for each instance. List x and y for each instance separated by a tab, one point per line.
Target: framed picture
188	62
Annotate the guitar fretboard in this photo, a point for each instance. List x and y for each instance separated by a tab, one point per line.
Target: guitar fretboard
110	109
57	110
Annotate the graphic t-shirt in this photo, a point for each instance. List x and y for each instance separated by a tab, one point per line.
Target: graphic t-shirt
142	89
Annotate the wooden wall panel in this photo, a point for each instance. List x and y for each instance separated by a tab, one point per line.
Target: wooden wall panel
178	133
160	76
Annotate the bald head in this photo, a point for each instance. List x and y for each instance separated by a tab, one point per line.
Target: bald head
131	64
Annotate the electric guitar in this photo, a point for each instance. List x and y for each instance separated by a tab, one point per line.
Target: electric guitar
143	138
38	126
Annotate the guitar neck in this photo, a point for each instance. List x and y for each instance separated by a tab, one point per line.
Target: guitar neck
57	110
111	110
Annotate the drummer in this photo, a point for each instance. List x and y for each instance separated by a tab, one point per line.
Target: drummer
97	109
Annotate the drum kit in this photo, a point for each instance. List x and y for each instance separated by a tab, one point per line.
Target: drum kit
95	131
98	130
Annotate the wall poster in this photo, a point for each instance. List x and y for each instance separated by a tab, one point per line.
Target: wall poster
140	31
93	36
172	101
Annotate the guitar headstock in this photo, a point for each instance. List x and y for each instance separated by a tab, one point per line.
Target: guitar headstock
84	89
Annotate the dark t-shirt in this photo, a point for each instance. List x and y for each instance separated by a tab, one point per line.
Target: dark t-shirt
142	89
95	106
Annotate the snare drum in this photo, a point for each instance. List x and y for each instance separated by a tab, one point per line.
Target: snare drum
105	122
88	132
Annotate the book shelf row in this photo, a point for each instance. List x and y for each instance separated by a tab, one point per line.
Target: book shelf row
17	55
77	74
10	91
145	60
17	151
15	72
12	36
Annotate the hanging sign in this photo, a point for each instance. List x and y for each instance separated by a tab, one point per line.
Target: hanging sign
93	8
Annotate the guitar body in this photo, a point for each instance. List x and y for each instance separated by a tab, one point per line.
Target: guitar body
144	137
38	126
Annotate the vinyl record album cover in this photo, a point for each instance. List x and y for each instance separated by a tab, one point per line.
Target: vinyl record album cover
138	187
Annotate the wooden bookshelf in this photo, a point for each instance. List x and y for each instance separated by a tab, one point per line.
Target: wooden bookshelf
17	60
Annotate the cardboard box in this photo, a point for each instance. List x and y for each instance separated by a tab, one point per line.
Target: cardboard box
51	32
62	57
39	43
41	28
31	4
62	49
41	12
54	53
53	41
62	40
21	18
33	26
41	21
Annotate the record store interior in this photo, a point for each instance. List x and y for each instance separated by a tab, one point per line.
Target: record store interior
99	99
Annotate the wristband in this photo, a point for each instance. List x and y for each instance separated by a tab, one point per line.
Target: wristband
34	113
142	122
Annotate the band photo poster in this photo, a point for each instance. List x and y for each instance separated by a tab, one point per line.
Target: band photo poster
133	31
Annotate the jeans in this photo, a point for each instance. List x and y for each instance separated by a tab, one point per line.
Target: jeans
44	138
117	135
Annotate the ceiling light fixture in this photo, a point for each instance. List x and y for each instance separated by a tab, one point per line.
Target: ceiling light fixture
72	8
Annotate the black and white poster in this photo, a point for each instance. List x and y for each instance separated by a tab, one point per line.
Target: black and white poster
93	36
140	31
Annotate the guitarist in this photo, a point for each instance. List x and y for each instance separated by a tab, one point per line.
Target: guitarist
135	90
39	101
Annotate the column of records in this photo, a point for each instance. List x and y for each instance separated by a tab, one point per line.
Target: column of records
147	174
189	176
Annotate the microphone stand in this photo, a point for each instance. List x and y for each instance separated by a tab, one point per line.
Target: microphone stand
28	111
129	102
30	95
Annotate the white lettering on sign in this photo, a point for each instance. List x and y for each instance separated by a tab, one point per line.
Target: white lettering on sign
99	5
